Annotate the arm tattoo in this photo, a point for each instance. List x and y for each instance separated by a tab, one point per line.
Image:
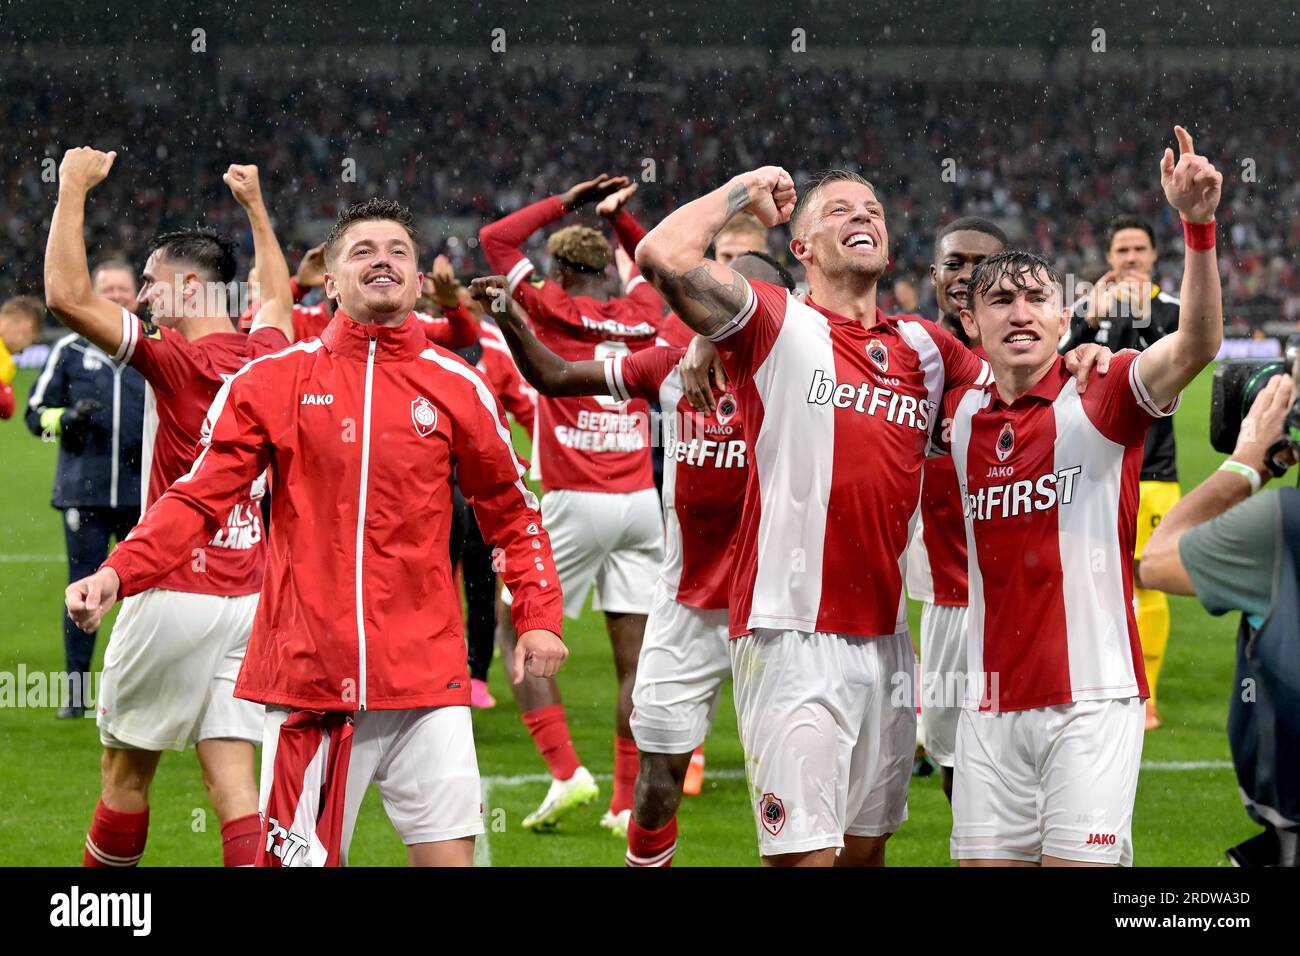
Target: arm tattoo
719	301
737	199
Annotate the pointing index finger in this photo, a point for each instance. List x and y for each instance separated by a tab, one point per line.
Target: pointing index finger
1184	141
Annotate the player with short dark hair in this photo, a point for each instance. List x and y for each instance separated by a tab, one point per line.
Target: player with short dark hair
936	557
358	650
170	667
1049	742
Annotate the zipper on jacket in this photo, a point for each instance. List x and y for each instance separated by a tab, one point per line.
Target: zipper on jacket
361	528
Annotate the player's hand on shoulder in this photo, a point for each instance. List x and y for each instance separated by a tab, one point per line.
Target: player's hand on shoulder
89	599
1081	362
700	369
84	167
771	195
540	653
243	182
1191	183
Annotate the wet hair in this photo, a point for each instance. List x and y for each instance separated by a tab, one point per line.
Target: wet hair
814	187
1018	266
370	210
782	274
206	249
971	224
580	249
1129	222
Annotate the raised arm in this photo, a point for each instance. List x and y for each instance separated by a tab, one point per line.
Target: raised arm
68	291
276	288
542	368
672	257
1193	186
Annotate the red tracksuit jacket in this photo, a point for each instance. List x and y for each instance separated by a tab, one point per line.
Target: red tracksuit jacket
360	429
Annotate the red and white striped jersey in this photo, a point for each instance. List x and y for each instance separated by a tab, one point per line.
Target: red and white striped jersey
1050	491
182	378
936	557
838	416
705	473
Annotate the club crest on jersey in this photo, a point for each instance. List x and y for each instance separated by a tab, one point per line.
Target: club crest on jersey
878	354
424	416
772	812
1006	441
726	408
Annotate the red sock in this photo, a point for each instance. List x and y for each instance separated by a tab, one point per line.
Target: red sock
551	735
239	840
626	764
115	838
651	847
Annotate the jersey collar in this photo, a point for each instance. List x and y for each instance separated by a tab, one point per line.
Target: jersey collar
350	338
1046	389
882	320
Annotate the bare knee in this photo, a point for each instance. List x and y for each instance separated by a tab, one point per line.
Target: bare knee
659	788
125	776
863	851
228	777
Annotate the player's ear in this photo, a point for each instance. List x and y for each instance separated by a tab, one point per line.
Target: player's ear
800	249
968	323
331	288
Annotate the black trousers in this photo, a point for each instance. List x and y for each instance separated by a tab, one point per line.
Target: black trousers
475	557
86	533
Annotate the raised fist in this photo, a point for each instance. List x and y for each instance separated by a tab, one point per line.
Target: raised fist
1192	185
242	181
768	193
85	167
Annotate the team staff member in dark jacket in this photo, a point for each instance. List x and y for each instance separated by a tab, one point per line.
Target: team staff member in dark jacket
1127	310
94	408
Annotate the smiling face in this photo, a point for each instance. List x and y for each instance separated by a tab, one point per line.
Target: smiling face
841	233
1019	320
955	258
117	285
371	271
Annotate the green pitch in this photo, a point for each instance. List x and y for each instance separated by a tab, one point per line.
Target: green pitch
1187	807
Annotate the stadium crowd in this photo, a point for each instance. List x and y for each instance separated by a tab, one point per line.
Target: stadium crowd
1031	156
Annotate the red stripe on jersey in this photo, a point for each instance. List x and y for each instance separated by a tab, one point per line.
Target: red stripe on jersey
303	819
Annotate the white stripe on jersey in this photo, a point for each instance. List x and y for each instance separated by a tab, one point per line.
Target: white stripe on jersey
1092	577
970	403
670	397
741	318
130	336
919	577
795	488
517	274
1143	397
614	378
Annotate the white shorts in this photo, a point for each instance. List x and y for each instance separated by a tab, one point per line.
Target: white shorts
684	660
614	541
828	724
943	674
422	761
1052	781
170	669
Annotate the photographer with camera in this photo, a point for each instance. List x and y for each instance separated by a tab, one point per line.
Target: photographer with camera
1238	550
94	408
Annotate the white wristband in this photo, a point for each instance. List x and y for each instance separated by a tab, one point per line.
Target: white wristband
1250	474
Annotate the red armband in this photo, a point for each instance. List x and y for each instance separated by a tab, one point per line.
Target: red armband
1199	235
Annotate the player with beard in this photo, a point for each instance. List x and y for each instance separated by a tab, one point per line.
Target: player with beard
170	667
1049	741
839	399
358	650
936	557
